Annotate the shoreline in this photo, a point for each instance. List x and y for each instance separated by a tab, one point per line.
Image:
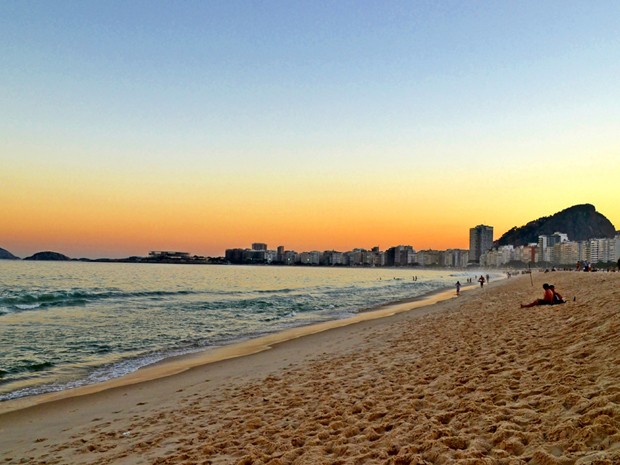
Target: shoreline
468	380
177	364
115	366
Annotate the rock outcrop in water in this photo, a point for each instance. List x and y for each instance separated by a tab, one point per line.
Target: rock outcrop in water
47	255
6	255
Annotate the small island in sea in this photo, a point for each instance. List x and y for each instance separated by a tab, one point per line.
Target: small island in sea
48	256
6	255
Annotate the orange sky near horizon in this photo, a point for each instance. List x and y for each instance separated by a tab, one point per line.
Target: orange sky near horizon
96	216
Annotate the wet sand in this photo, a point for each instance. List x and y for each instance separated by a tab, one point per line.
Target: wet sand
469	380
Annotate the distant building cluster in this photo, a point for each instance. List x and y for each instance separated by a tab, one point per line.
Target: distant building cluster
401	255
166	256
552	250
169	255
555	250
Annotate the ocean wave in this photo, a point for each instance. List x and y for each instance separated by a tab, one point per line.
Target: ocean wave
276	305
276	291
27	306
100	374
26	367
32	301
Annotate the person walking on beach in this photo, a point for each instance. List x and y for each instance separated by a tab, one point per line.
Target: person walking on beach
481	281
458	288
546	300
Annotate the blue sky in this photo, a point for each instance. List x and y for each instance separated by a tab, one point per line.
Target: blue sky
277	70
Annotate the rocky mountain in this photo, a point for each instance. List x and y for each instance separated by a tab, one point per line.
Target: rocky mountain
6	255
579	222
48	256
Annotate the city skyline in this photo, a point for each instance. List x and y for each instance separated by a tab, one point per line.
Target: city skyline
554	249
129	127
482	250
480	240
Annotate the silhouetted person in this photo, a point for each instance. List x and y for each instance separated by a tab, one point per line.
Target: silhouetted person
557	298
546	300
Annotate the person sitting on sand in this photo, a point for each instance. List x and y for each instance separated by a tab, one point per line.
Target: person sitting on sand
557	298
546	300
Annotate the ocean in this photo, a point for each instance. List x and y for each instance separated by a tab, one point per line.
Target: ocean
68	324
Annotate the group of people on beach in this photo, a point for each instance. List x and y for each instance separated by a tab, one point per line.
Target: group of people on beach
550	297
481	280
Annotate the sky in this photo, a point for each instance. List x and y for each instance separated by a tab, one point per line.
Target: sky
197	126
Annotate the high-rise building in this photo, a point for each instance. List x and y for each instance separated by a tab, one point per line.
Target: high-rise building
480	240
401	255
259	246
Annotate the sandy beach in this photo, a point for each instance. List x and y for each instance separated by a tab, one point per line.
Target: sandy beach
469	380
